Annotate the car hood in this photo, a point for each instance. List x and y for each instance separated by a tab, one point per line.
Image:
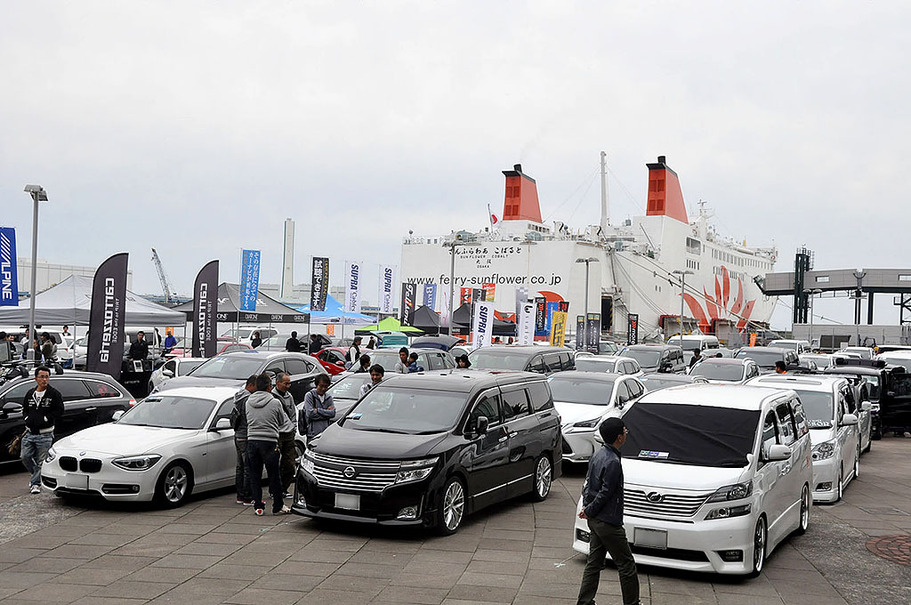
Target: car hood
114	438
647	474
821	435
578	412
352	443
193	381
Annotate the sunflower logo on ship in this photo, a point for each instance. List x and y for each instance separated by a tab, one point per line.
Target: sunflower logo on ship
716	306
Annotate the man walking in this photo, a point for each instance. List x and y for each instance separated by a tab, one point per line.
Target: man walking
265	417
239	423
602	506
42	407
287	432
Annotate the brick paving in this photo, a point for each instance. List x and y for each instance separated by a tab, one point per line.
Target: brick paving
893	548
214	551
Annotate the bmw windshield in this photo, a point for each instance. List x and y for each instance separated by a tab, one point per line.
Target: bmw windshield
229	368
170	412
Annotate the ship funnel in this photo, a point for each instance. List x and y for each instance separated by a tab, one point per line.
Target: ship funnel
521	201
665	198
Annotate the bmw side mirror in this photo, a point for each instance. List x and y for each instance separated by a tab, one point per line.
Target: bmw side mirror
117	415
222	424
848	420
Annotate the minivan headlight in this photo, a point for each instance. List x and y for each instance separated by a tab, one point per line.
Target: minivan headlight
137	463
738	491
415	470
823	451
307	462
726	512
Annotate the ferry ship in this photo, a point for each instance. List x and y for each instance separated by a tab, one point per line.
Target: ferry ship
648	267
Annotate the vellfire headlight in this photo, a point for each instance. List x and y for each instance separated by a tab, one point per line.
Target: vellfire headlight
307	462
824	450
415	470
51	454
738	491
137	463
727	512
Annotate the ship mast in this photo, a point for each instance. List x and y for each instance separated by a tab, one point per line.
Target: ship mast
605	214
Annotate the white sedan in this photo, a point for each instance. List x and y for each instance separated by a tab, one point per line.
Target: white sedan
165	448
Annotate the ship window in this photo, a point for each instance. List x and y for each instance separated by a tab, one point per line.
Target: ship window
904	278
822	279
693	246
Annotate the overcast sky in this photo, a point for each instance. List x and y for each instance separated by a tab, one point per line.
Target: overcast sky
198	127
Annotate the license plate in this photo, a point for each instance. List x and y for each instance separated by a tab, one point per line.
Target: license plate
73	481
650	538
348	501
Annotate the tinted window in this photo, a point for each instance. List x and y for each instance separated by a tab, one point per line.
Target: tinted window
172	366
71	390
800	418
769	432
275	367
17	393
296	367
515	403
540	396
786	421
435	361
224	411
850	401
622	393
99	389
486	406
635	389
537	365
567	361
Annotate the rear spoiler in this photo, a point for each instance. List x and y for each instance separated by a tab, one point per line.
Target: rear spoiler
865	363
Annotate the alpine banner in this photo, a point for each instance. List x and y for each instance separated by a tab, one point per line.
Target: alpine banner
387	289
352	287
482	325
249	280
406	310
205	311
319	283
9	282
107	317
430	296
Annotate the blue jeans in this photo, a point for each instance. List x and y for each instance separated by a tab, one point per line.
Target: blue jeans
34	451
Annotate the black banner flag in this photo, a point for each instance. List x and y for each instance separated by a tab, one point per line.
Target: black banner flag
107	317
409	296
319	283
205	309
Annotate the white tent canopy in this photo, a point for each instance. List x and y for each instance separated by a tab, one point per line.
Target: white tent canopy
70	303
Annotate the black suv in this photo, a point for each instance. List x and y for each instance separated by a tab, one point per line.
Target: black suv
429	448
88	399
532	358
765	357
887	387
656	358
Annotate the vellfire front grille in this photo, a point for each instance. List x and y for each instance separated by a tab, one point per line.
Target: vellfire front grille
662	503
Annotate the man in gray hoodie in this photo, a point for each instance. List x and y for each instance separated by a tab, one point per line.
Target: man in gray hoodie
265	419
288	462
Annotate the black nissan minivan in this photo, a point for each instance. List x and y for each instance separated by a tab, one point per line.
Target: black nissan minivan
429	448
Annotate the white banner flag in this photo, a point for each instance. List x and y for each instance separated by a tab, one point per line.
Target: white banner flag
526	323
352	287
387	289
444	306
482	326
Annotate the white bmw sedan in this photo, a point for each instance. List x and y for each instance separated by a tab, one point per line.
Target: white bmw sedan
165	448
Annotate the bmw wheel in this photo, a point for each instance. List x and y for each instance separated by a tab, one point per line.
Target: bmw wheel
805	503
760	534
174	485
452	507
544	477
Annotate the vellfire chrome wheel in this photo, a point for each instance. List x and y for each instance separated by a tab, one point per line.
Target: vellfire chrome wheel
544	477
804	511
759	547
452	509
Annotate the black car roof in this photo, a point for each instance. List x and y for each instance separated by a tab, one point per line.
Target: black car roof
465	381
520	349
646	347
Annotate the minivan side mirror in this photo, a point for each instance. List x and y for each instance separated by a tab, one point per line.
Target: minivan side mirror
848	420
778	452
483	423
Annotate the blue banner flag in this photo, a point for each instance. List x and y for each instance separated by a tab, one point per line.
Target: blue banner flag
249	280
9	283
430	296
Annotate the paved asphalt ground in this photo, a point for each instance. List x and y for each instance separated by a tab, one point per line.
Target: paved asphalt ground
214	551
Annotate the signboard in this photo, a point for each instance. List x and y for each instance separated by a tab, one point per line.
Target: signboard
558	328
430	296
490	291
387	289
632	329
580	332
319	283
205	311
526	323
249	280
406	310
107	317
594	331
9	282
540	316
352	287
482	325
464	296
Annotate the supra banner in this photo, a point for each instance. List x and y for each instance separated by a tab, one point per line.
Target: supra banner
482	326
352	287
319	283
387	289
107	317
205	311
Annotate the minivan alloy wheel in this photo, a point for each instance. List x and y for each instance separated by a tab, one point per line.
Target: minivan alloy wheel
760	535
544	476
804	522
453	507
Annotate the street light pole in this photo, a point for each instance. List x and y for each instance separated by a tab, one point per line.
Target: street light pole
682	275
587	262
813	294
38	194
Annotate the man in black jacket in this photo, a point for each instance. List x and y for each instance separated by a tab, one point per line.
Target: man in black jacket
42	407
602	506
239	423
139	349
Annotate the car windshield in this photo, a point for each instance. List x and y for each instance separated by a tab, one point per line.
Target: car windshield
170	412
188	366
719	371
873	391
818	408
387	359
581	390
904	362
229	368
784	344
689	344
764	359
595	364
497	360
388	409
690	434
349	387
656	383
646	358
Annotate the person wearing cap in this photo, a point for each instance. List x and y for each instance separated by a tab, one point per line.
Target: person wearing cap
602	507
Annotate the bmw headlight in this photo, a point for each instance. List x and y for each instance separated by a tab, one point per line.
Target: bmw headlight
738	491
137	463
51	454
824	450
415	470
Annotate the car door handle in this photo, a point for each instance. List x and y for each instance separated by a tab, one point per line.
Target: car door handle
90	409
785	469
545	414
503	438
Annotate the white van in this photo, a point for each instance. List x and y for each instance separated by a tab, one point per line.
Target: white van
694	342
715	477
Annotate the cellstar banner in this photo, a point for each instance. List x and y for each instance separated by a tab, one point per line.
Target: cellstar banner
9	282
526	323
632	329
319	283
430	296
580	332
406	311
106	319
387	289
482	326
249	280
594	330
205	311
352	287
540	316
558	328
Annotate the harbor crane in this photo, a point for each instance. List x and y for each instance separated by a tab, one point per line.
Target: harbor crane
170	295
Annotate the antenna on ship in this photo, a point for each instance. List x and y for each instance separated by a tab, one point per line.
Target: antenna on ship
605	214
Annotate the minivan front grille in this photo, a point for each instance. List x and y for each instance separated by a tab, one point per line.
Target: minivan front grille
662	503
362	475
